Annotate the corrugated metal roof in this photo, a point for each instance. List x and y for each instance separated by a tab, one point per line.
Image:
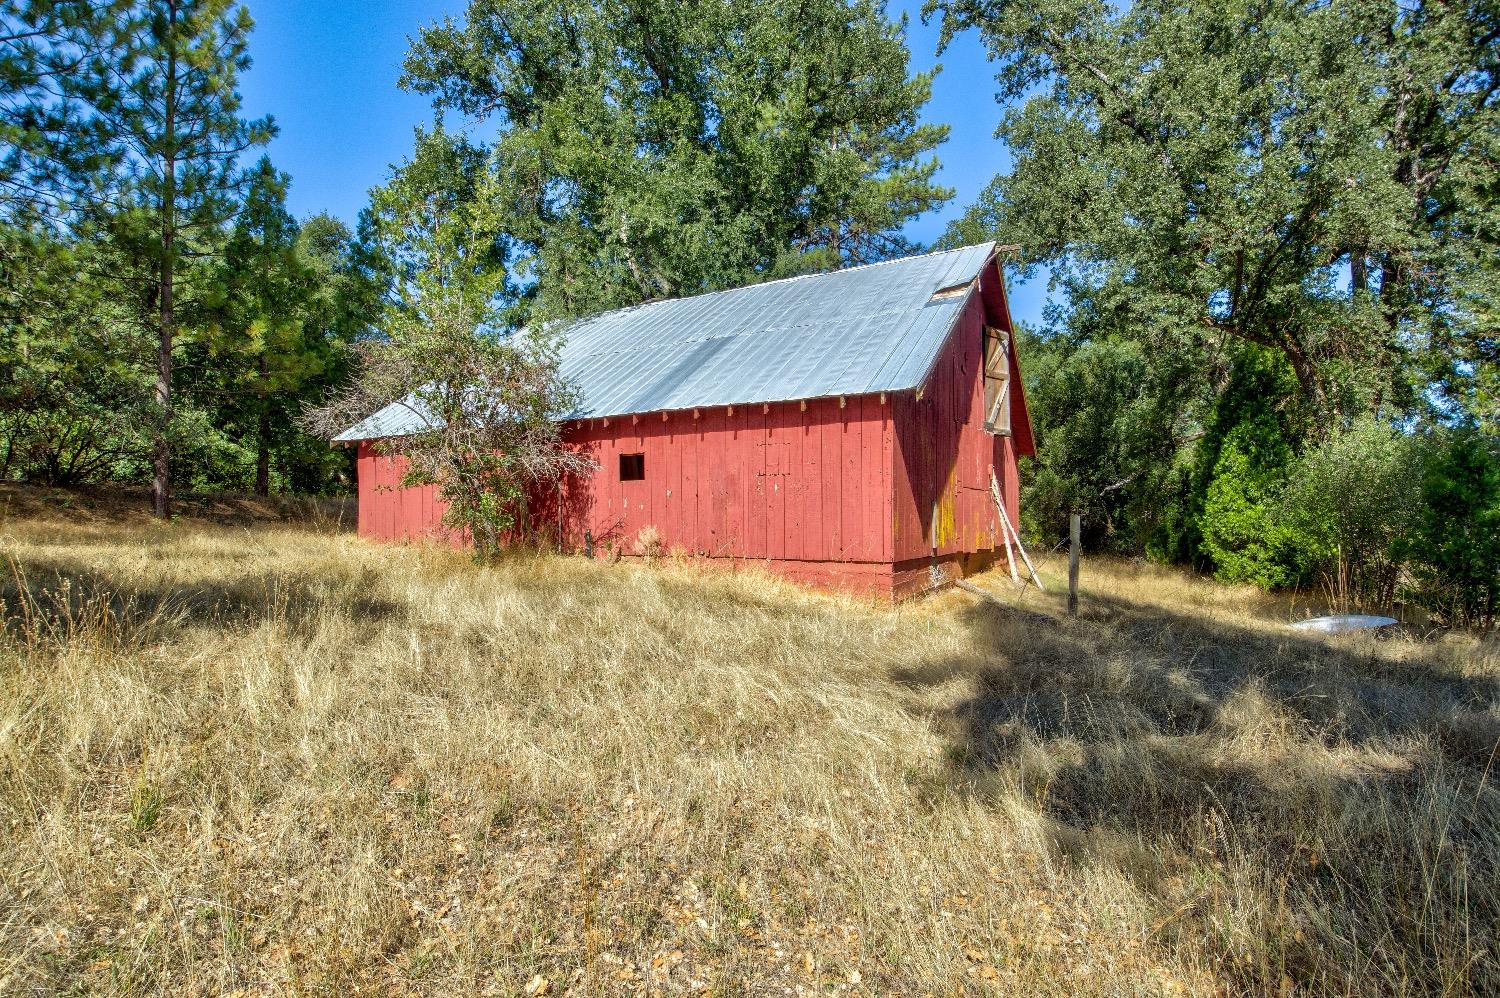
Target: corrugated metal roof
875	328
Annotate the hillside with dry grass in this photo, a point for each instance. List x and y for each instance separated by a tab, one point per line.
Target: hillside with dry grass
267	757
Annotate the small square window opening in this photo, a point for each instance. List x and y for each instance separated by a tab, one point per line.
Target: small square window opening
632	467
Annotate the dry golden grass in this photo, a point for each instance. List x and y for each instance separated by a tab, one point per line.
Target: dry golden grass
279	759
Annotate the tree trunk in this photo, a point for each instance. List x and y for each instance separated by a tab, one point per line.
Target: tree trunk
263	455
1390	306
161	463
1311	384
263	439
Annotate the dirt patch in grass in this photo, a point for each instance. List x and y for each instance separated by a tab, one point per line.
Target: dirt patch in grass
283	759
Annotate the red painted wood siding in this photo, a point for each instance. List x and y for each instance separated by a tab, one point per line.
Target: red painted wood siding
781	481
386	510
943	456
774	482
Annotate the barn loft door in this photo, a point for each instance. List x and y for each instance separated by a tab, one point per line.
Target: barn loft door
997	381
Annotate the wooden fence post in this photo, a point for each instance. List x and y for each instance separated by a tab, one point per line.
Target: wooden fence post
1073	546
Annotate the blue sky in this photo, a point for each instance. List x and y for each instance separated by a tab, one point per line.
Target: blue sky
327	72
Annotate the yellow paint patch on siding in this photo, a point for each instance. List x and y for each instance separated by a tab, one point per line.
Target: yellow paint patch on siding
943	529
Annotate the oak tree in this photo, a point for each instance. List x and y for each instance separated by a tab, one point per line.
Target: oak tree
655	149
1314	178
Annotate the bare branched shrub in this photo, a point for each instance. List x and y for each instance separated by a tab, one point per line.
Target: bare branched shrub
486	400
488	410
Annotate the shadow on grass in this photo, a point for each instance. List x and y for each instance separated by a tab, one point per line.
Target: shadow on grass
55	598
1353	779
1128	671
113	504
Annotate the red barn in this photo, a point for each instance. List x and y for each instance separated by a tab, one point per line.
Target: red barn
840	429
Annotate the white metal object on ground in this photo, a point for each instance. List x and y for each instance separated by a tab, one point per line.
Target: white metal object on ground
1343	622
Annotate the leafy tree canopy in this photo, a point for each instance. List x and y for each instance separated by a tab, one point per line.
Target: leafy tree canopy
652	149
1315	177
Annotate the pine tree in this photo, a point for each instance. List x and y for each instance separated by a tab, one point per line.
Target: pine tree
51	135
290	308
264	283
171	110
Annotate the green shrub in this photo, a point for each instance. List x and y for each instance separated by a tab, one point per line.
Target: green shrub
1104	416
1242	532
1454	548
1247	440
1347	507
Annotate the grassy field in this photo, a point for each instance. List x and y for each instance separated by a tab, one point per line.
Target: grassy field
258	756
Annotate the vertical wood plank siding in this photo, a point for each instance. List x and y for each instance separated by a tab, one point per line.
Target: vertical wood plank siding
943	456
749	485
